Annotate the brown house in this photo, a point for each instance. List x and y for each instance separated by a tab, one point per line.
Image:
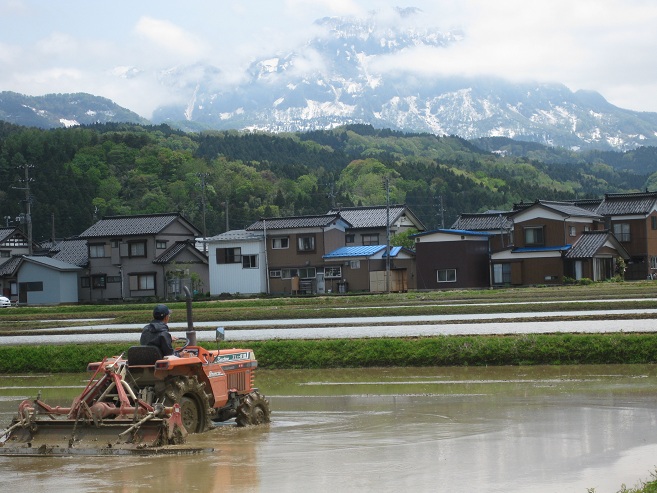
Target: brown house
142	256
294	250
632	217
553	240
451	259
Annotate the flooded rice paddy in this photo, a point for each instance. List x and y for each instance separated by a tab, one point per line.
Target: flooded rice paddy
495	429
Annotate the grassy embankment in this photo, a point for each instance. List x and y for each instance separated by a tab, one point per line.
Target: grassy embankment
621	347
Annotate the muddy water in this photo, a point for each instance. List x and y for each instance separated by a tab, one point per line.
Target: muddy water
538	429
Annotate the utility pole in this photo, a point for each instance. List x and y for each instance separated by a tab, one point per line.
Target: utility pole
28	206
203	176
387	182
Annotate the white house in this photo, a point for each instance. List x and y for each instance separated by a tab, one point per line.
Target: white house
238	264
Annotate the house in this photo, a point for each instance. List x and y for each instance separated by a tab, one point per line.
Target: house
237	263
538	243
13	244
554	240
294	250
142	256
73	251
365	268
46	281
368	225
452	258
632	217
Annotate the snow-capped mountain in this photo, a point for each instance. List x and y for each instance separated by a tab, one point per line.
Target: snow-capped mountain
334	80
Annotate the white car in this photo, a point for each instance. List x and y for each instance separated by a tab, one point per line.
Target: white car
4	302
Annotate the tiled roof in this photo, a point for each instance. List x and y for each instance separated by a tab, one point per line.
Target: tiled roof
6	233
172	252
588	204
321	221
71	251
564	208
567	209
10	266
587	245
484	221
618	204
369	217
132	225
237	235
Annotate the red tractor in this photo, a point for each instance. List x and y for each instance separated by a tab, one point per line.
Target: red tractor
143	402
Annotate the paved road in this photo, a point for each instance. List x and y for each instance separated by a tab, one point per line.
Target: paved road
359	327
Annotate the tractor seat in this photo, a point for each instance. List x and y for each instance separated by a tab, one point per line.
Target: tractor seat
143	355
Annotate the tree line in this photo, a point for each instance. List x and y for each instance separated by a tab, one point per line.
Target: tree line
228	179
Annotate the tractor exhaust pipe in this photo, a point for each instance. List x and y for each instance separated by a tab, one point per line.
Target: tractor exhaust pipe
191	333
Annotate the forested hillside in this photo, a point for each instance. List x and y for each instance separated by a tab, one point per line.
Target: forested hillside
78	175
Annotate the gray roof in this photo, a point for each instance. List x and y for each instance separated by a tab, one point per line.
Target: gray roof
371	217
321	221
51	263
237	235
564	208
588	244
6	233
10	266
172	252
484	221
73	251
147	224
618	204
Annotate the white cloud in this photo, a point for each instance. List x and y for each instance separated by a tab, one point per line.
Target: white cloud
169	37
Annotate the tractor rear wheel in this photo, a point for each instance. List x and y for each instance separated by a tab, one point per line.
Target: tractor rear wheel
193	401
253	410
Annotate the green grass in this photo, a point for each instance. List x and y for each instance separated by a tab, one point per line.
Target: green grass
550	349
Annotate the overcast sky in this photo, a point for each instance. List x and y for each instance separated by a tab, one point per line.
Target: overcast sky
57	46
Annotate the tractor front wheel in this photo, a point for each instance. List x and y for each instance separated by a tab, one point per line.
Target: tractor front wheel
193	401
253	410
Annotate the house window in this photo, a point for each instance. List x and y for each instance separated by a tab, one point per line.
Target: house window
141	282
501	273
349	238
572	231
303	273
653	263
113	279
622	231
370	240
534	236
233	255
275	273
249	261
97	250
653	222
354	264
138	249
160	244
333	272
306	243
99	282
587	228
446	275
280	243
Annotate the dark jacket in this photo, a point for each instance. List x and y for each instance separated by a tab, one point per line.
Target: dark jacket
157	334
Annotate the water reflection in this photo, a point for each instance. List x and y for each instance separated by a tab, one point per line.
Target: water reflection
539	429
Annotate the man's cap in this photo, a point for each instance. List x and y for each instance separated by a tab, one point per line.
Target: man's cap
161	311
